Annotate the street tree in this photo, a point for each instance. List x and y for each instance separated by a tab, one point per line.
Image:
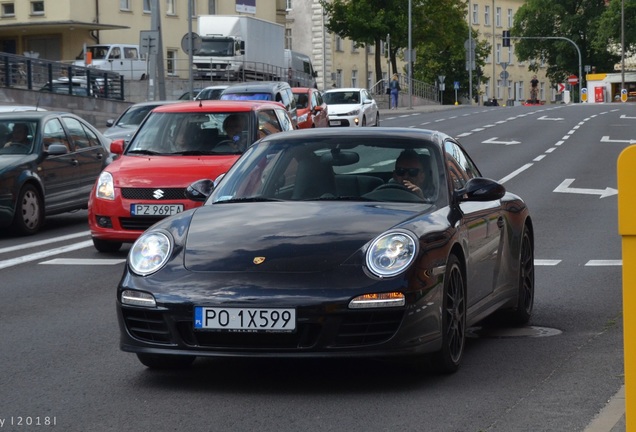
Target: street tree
576	20
609	28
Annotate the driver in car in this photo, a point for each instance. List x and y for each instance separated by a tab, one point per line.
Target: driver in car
410	172
19	136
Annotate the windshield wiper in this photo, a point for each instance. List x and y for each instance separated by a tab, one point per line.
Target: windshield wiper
145	152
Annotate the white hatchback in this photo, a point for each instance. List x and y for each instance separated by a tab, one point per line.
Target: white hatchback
351	107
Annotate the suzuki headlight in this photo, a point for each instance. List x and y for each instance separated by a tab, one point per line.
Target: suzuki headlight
105	188
391	253
150	252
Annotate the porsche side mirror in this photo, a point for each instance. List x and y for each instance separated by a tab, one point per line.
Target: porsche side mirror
200	190
481	189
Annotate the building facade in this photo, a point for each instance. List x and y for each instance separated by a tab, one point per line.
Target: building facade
508	78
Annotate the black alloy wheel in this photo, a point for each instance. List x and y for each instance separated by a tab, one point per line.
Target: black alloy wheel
448	359
525	303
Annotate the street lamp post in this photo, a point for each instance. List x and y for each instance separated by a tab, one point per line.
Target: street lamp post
410	68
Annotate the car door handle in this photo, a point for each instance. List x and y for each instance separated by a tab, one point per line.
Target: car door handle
75	162
500	222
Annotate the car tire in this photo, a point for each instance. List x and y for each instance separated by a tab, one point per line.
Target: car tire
377	120
520	315
161	361
448	358
364	121
29	211
106	246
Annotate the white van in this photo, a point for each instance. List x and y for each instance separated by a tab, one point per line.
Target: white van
120	58
300	71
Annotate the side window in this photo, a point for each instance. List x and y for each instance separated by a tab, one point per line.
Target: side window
130	53
53	133
292	100
78	134
460	167
285	122
267	123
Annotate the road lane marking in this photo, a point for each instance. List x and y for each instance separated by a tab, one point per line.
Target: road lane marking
599	263
83	261
43	242
515	173
546	262
44	254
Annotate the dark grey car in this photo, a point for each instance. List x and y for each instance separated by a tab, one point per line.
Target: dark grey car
52	171
128	122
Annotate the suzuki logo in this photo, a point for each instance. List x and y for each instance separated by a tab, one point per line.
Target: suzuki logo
158	194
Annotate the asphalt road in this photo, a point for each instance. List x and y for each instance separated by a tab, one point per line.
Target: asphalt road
60	360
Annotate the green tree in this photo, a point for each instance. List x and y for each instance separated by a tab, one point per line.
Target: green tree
609	29
577	20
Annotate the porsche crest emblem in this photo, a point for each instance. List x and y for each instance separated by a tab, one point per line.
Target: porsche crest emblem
259	260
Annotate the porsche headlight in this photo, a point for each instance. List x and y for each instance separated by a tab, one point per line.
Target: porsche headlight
391	253
105	188
150	252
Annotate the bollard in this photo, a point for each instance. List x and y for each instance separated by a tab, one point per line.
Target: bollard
626	169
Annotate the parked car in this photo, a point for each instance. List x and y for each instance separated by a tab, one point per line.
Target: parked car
175	145
186	95
52	171
351	107
127	123
18	108
211	92
316	243
312	109
277	91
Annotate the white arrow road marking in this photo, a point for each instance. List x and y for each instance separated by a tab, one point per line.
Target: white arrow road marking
549	118
494	141
565	188
626	117
607	139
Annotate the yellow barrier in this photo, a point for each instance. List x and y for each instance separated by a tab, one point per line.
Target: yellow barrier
627	230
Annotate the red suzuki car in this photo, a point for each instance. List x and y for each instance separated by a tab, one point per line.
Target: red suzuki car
176	145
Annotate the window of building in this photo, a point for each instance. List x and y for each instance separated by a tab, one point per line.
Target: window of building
487	15
338	43
510	55
498	16
498	89
487	91
289	5
37	8
171	62
498	53
354	78
370	49
288	38
170	7
354	47
8	10
146	6
212	7
338	77
369	79
475	14
510	16
124	5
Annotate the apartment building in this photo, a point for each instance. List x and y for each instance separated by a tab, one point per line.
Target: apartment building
509	78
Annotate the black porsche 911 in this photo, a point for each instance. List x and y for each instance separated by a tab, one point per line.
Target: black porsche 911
332	243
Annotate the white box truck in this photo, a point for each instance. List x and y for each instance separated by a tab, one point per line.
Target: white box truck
239	48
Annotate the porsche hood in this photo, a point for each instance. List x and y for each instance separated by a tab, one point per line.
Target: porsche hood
285	236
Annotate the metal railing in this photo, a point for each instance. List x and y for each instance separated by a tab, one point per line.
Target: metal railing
50	76
420	89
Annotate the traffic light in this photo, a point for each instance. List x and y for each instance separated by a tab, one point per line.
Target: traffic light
506	38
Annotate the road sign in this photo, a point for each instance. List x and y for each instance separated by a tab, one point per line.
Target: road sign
573	79
584	94
504	75
441	78
560	87
456	85
623	95
185	42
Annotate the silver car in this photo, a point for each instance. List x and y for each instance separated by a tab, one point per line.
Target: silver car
351	107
